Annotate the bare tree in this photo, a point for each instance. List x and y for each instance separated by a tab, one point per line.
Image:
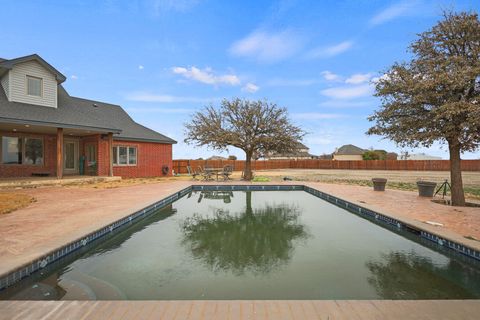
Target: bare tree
436	95
256	127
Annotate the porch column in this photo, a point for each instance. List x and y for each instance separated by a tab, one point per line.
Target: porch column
59	153
110	152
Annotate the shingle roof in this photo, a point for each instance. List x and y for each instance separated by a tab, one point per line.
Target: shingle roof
350	149
8	64
79	113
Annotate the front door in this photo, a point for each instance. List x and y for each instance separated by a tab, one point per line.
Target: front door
70	157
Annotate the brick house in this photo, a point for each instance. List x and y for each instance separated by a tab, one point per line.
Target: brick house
45	131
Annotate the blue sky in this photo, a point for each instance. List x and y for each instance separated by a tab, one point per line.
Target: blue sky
163	59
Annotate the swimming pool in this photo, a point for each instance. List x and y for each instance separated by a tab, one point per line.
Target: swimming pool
221	244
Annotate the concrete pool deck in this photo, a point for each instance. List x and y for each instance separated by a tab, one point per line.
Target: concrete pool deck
233	310
64	214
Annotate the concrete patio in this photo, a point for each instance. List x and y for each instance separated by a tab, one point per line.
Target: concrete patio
232	310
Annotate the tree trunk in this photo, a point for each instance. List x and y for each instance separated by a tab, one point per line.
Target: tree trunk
458	196
248	207
247	172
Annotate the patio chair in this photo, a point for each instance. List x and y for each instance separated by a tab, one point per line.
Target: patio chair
206	175
192	173
227	172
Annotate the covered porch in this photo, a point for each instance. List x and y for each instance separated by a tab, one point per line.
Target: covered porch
47	150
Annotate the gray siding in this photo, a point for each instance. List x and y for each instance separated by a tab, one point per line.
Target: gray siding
5	84
18	84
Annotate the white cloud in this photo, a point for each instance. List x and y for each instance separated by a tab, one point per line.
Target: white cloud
317	116
394	11
330	51
358	78
250	87
140	67
206	76
280	82
164	98
267	47
348	92
73	77
330	76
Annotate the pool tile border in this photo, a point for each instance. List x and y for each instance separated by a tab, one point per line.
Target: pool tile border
57	254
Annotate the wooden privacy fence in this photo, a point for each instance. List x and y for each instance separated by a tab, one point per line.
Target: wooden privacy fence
180	166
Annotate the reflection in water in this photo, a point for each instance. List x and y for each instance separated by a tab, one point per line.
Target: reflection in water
226	196
61	281
403	275
257	240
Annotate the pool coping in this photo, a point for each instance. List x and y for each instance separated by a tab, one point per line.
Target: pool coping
18	273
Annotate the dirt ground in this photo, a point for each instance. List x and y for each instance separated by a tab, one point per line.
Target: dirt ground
469	178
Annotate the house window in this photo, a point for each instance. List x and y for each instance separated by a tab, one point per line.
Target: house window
91	154
34	86
132	155
22	150
33	151
11	150
124	156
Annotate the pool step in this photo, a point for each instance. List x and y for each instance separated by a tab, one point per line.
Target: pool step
75	290
93	287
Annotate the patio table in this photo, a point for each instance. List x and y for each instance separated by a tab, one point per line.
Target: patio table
215	171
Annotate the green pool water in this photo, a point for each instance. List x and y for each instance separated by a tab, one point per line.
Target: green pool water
256	245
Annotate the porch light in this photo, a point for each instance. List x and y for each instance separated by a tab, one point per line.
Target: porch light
27	126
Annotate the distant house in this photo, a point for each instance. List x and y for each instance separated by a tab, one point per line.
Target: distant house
216	158
418	156
326	156
302	152
348	152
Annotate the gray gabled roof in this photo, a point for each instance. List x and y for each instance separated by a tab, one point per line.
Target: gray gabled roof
350	149
119	118
8	64
78	113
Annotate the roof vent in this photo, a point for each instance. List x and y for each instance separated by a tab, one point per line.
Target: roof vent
95	105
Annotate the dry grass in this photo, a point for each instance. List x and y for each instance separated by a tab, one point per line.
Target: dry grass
134	181
10	201
137	181
400	180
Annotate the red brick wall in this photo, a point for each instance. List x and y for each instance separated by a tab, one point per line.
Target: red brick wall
49	158
151	157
